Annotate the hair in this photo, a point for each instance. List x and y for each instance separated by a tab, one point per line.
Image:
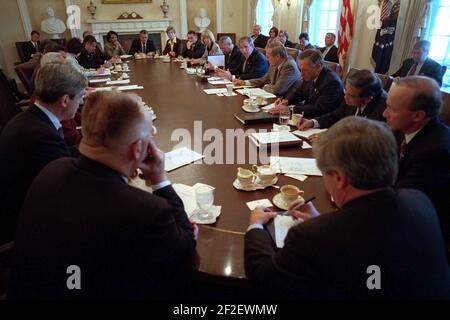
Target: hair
112	120
304	35
208	34
332	34
50	57
364	150
49	45
257	26
248	39
367	81
225	40
278	49
427	94
285	33
192	32
54	80
143	32
313	56
274	29
170	28
111	33
74	46
86	33
422	44
35	32
89	39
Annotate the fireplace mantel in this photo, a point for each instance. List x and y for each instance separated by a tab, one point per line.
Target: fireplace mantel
102	27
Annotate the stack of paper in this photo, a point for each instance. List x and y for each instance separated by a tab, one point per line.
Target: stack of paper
282	224
218	82
110	83
305	166
215	91
282	138
106	72
307	133
180	157
254	92
99	80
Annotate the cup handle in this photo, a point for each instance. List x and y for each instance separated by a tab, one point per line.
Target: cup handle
254	169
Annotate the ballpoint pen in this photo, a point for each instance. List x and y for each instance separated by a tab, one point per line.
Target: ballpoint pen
287	213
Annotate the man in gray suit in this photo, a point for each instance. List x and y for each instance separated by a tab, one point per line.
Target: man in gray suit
282	74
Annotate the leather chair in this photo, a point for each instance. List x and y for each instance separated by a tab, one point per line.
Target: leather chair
20	51
386	81
25	73
8	107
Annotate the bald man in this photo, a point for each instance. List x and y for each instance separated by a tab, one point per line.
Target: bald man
125	242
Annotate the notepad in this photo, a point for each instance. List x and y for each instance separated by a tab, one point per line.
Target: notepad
307	133
180	157
254	92
218	82
218	61
215	91
99	80
282	224
291	165
280	138
118	82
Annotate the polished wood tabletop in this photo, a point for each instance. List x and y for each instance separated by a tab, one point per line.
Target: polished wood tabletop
178	100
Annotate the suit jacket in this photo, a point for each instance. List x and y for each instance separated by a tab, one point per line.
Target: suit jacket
321	97
233	60
89	60
332	54
260	41
328	256
426	167
195	52
127	242
279	79
373	110
136	47
290	44
177	47
430	68
29	49
254	67
27	144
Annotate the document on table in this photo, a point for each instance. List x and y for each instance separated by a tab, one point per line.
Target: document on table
99	80
218	82
215	91
268	107
259	203
126	56
290	165
254	92
306	133
180	157
218	61
132	87
282	224
109	83
106	72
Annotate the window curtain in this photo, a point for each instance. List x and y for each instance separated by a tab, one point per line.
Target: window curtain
306	15
253	6
408	29
275	13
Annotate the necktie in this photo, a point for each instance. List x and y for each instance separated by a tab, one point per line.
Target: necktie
403	149
412	72
171	45
244	65
275	76
61	133
144	48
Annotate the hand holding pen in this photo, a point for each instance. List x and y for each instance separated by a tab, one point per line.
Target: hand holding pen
303	209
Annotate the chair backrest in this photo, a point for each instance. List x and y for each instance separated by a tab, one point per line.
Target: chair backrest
25	73
231	35
445	112
20	51
386	81
6	255
8	107
294	53
332	65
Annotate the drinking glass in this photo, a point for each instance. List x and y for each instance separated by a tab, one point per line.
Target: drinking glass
284	118
204	196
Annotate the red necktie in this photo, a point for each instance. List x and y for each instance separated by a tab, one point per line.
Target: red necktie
412	72
402	148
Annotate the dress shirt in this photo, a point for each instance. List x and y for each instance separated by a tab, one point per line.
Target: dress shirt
51	116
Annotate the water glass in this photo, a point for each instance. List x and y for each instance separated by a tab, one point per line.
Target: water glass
204	196
284	118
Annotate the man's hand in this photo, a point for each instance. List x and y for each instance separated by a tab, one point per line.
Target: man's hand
153	167
195	227
305	124
312	138
305	211
261	215
225	74
188	45
239	82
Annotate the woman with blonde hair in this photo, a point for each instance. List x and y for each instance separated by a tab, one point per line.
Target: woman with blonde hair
212	49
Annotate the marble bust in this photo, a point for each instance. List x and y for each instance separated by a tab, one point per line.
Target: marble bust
202	22
52	25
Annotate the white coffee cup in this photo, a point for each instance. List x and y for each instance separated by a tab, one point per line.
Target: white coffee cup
265	173
290	193
245	177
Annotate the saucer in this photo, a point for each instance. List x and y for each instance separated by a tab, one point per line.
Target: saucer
250	110
279	202
249	187
273	182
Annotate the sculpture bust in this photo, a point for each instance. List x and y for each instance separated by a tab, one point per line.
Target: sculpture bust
52	25
202	21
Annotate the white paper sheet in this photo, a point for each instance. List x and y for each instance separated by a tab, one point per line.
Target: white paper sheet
268	107
106	72
274	137
215	91
218	61
126	56
219	82
306	133
118	82
306	145
132	87
180	157
254	92
282	224
99	80
290	165
299	177
259	203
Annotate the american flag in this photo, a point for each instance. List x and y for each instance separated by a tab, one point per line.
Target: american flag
345	30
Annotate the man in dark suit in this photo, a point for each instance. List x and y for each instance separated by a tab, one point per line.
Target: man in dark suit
253	63
380	244
364	97
99	53
174	46
330	51
420	64
30	48
319	93
126	242
194	48
88	58
284	39
233	57
34	138
283	72
413	107
143	44
259	40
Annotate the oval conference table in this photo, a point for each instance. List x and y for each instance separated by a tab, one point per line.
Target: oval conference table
178	101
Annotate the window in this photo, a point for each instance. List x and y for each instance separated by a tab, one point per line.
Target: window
440	37
324	19
264	13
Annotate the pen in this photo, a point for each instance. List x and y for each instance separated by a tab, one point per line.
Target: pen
287	213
